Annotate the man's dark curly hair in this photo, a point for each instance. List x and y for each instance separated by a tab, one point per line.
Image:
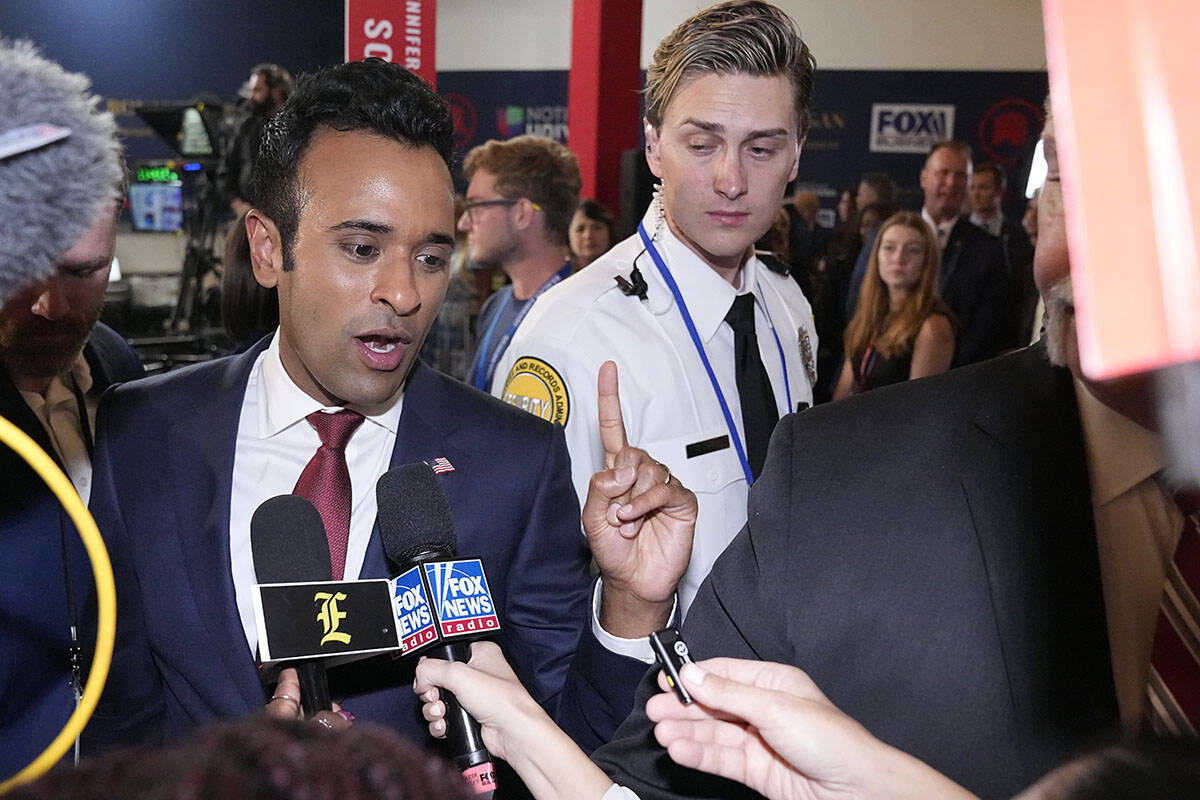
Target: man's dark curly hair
372	96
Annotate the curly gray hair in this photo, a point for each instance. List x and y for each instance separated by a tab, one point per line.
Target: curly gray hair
50	195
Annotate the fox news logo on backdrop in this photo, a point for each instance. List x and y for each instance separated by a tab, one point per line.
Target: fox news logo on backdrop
906	128
460	594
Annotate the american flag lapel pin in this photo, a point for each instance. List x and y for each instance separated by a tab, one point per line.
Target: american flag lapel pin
441	466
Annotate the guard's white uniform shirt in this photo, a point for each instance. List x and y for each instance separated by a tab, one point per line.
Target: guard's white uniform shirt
667	399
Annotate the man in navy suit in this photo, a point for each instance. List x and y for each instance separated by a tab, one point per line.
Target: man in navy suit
973	279
988	184
55	362
353	223
57	237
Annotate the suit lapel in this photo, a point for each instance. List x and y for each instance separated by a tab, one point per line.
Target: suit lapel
14	408
423	434
202	448
101	379
954	246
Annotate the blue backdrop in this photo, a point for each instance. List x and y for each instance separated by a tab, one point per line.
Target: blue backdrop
166	50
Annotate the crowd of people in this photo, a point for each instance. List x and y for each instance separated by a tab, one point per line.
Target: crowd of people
943	588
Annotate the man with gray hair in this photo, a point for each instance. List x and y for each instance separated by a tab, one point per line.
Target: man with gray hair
60	179
713	343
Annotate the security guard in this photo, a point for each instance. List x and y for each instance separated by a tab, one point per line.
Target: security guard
712	345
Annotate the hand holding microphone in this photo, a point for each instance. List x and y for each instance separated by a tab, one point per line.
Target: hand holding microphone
487	686
513	725
285	705
445	601
288	544
287	541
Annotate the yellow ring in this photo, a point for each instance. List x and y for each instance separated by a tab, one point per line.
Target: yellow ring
106	598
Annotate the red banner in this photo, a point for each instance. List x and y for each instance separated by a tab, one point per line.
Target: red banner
401	31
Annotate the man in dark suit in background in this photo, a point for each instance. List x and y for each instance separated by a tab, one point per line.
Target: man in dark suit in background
354	225
988	184
973	279
55	362
969	565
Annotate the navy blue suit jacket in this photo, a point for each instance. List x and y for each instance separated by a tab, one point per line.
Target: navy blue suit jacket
35	614
974	281
162	496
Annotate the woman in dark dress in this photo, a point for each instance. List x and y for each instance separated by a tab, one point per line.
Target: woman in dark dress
901	328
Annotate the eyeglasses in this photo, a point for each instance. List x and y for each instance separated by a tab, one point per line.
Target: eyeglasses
472	206
469	208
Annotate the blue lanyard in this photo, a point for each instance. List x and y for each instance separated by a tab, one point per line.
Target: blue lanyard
485	367
787	384
712	377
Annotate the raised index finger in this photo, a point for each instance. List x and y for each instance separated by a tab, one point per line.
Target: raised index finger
608	404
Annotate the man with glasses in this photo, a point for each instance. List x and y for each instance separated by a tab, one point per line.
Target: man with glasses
520	200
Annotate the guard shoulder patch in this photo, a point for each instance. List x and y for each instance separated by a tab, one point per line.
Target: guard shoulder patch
534	386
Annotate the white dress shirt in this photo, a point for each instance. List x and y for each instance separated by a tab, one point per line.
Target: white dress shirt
670	408
993	224
274	443
1137	528
941	230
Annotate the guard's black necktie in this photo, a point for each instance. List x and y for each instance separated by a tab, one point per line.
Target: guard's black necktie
759	414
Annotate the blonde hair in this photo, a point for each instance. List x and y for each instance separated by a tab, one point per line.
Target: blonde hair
738	37
896	337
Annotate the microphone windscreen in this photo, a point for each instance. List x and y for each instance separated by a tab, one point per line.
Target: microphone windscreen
414	515
50	193
288	542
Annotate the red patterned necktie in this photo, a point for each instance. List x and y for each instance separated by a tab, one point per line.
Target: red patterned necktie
1173	689
325	481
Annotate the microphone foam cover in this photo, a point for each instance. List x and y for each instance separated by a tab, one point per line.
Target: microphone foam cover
288	542
414	514
50	195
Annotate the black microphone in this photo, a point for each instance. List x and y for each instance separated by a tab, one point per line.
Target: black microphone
416	527
288	542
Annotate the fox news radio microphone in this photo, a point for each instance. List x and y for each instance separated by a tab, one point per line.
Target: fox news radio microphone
288	543
443	602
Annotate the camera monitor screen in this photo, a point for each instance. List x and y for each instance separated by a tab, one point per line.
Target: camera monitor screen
156	206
